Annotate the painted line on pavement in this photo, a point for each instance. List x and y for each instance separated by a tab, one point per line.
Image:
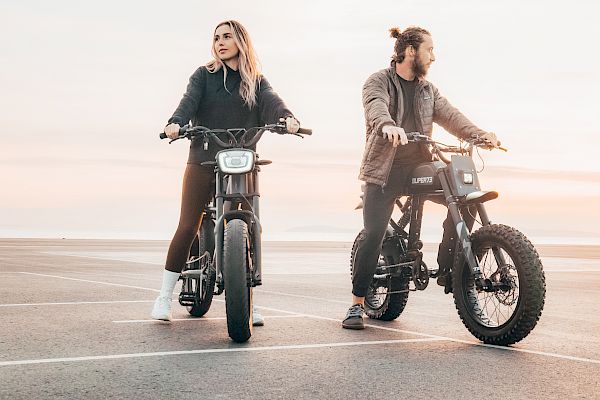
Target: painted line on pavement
301	296
572	270
90	281
208	351
435	337
520	350
142	321
64	303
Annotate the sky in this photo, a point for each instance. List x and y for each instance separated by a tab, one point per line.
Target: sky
87	86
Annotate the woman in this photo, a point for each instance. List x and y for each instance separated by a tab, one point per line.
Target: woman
229	92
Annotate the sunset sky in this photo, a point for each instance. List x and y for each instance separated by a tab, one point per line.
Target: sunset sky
87	87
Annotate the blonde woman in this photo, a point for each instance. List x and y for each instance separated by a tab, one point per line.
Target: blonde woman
229	92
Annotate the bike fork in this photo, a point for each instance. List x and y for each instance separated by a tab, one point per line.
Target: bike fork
485	220
462	230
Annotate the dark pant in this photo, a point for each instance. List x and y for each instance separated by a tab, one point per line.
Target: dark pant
198	186
378	205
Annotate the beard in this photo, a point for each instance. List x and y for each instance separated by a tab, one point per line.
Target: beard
419	68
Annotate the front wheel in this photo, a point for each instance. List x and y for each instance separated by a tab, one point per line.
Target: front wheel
506	315
238	294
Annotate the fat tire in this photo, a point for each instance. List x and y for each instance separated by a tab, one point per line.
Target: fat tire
532	286
238	296
204	243
394	303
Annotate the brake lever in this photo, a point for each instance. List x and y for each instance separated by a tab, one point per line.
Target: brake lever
177	138
490	146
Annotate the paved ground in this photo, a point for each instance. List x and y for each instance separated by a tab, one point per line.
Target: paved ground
75	325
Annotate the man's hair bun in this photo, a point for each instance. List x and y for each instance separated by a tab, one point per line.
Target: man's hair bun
395	32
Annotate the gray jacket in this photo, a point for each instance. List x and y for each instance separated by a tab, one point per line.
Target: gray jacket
383	103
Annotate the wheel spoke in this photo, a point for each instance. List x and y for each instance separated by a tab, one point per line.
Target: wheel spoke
497	307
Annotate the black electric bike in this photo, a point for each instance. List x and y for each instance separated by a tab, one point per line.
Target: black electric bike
496	277
226	252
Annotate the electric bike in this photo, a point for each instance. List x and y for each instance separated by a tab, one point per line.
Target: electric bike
496	275
226	253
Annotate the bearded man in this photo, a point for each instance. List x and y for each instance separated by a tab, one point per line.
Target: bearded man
398	100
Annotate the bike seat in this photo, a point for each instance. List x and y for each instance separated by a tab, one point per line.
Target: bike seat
480	196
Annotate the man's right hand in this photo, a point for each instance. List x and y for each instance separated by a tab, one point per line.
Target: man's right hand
172	131
395	135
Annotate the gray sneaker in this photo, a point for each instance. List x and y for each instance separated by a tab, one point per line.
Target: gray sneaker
354	317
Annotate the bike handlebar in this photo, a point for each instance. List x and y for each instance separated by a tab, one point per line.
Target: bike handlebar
305	131
190	132
182	131
474	140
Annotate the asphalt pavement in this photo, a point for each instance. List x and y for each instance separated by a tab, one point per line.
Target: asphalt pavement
75	324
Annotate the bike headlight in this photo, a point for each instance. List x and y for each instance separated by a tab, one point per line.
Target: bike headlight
467	178
235	161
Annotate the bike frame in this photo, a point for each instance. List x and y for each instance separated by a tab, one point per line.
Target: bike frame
453	193
232	191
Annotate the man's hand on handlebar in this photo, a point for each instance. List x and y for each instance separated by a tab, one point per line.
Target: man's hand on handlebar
395	135
490	137
172	131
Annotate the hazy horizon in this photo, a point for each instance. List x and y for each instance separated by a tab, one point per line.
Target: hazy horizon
88	86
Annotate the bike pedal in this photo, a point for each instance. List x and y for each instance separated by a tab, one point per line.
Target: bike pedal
433	273
187	299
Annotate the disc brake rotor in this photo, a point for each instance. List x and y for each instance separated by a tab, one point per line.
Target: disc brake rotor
510	296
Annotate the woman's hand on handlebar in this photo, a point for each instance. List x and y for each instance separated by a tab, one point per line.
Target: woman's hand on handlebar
172	131
291	124
395	135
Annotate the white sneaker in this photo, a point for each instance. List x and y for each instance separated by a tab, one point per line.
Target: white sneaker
162	309
257	318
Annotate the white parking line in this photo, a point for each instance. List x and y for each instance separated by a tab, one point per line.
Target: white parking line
146	321
571	270
301	296
90	281
429	336
520	350
65	303
208	351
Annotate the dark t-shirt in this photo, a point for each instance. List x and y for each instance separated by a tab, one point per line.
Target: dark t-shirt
210	103
410	153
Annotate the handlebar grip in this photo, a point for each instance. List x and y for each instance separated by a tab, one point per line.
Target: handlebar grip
305	131
182	131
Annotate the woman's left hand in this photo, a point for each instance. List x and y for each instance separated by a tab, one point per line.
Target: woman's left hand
291	124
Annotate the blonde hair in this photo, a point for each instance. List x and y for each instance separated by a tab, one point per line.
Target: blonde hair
249	66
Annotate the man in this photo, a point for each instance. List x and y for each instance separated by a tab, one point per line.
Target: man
398	100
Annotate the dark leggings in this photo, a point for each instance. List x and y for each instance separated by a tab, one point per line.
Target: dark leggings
378	205
198	186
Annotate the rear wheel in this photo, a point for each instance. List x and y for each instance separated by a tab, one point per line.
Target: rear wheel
238	294
508	314
202	251
383	300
